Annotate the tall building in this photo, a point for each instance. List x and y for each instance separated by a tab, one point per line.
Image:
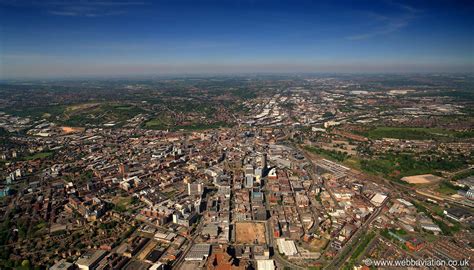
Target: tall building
249	181
195	189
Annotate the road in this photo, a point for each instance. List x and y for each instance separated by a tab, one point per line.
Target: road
177	264
271	243
348	249
276	256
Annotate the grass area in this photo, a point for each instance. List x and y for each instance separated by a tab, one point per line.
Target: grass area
37	112
81	114
40	155
94	114
396	236
161	123
109	225
80	107
400	232
366	239
465	134
329	154
445	228
244	93
464	174
407	133
40	225
124	108
447	188
121	203
397	166
362	245
352	162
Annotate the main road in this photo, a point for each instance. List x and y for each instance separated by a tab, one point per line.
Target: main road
348	249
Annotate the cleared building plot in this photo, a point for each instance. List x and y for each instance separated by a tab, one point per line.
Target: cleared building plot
250	233
422	179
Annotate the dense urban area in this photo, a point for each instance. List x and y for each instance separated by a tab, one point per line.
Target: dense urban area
237	172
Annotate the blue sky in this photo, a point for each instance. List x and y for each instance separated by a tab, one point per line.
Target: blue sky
61	38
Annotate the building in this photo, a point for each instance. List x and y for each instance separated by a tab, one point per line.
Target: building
90	259
157	266
198	252
470	194
378	199
261	252
184	219
62	265
414	244
195	189
457	214
286	247
249	181
272	174
265	265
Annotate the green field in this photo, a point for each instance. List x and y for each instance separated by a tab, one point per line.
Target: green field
40	155
366	239
437	219
362	245
81	114
464	174
446	188
121	204
160	123
101	114
408	133
394	166
37	112
329	154
397	166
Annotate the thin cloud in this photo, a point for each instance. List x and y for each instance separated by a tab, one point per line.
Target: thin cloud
75	8
390	27
63	13
71	3
94	13
389	24
407	8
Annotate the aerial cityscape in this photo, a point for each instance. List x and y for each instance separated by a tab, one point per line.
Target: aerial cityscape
252	164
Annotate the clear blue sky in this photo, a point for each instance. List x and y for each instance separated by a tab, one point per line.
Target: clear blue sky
55	38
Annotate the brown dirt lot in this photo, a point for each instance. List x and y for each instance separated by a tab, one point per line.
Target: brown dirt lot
68	130
250	233
422	179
